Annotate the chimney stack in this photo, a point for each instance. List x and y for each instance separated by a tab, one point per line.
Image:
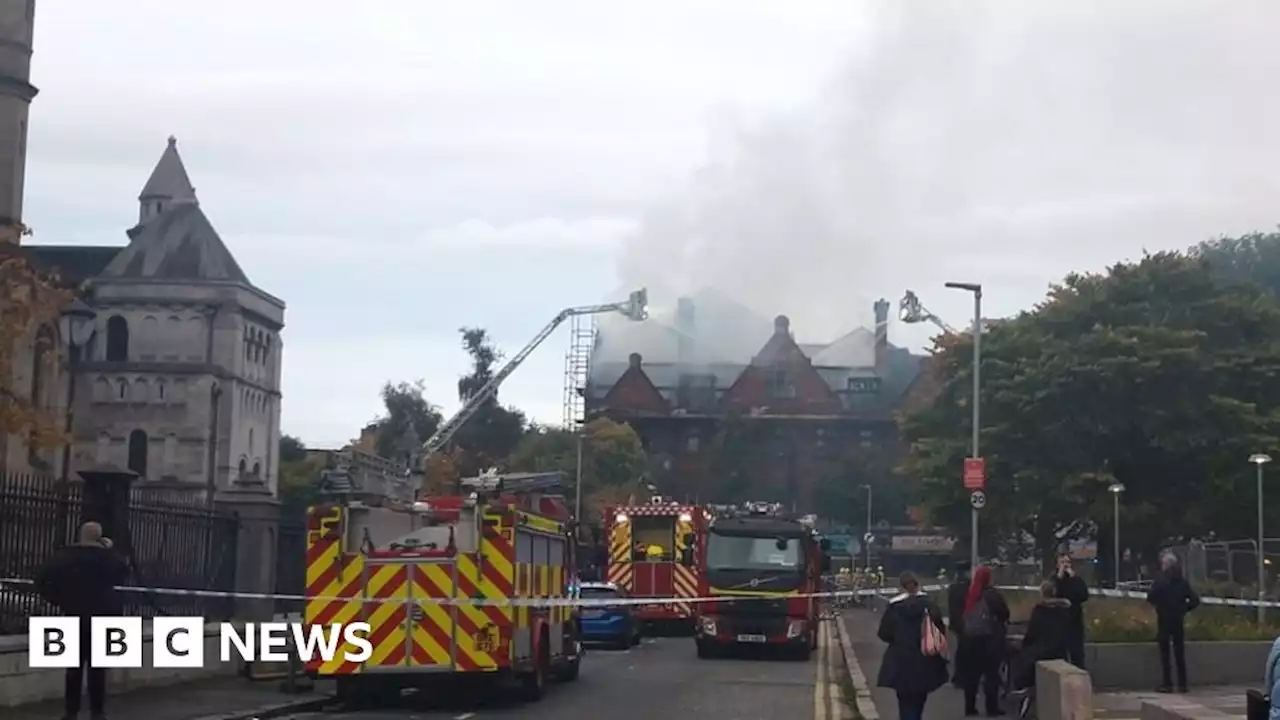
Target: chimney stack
882	334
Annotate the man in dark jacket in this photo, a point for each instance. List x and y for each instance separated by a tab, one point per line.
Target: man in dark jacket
955	612
1071	587
1172	597
905	668
80	580
1047	635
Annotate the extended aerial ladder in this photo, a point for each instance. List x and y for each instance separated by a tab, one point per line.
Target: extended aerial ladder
636	308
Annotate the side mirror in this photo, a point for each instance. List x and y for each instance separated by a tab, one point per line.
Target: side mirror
825	544
826	563
690	539
686	557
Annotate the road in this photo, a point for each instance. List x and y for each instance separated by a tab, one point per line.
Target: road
662	678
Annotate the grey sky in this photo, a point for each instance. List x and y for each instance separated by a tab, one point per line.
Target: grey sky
396	169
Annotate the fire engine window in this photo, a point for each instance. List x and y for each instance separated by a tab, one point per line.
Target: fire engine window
654	538
727	552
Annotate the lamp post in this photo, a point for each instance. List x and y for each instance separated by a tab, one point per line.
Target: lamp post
867	542
976	289
76	327
577	485
1258	460
1116	489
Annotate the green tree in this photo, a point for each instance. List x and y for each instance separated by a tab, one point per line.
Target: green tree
613	461
410	419
298	479
1251	258
1152	374
494	431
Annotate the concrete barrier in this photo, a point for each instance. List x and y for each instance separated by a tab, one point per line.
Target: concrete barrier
1175	708
1063	691
1136	666
20	683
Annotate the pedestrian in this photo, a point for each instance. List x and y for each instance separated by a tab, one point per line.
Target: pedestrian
1071	587
982	644
955	615
1047	636
906	669
80	580
1172	597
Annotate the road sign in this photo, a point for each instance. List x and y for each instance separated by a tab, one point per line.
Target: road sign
978	499
975	474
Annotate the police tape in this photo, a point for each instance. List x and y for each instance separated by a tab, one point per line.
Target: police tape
744	593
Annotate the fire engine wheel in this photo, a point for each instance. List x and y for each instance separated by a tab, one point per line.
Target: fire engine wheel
706	650
534	683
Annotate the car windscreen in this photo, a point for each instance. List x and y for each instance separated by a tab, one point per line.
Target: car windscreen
597	593
736	552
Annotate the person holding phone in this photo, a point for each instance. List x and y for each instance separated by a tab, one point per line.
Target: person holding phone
1071	587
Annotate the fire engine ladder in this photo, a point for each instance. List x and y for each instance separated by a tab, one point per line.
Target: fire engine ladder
636	308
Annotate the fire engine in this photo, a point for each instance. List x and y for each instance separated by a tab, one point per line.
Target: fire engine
434	580
652	555
767	566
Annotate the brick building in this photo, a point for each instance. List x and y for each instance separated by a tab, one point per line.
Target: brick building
730	406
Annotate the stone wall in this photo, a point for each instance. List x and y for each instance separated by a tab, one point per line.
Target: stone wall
1137	665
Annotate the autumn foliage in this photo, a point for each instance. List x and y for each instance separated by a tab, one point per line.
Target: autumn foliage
29	300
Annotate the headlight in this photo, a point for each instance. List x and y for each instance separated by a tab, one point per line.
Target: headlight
795	629
620	518
686	517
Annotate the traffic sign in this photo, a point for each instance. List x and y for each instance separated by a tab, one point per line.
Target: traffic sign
975	474
978	499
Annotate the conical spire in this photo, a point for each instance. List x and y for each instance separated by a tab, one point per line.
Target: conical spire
167	185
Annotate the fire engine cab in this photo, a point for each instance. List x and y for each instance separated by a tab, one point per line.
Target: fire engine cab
763	568
652	554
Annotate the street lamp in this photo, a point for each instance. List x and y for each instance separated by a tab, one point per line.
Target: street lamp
76	325
1260	459
868	534
976	289
1115	489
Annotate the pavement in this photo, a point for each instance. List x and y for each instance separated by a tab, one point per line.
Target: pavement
948	702
223	699
660	678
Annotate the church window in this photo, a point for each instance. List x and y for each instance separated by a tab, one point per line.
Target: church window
160	389
122	389
243	467
117	339
39	365
257	470
138	447
251	441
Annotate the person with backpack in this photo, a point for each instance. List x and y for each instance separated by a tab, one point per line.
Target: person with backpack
955	613
1172	597
915	663
982	645
80	580
1048	635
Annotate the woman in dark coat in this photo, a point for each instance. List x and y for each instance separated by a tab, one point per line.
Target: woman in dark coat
906	669
1048	635
982	648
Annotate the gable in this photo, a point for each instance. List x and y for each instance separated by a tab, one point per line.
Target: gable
634	392
782	378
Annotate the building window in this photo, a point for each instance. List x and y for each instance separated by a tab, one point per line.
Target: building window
117	339
778	384
257	470
39	361
138	447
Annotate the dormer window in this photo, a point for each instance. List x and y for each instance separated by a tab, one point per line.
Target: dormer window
778	384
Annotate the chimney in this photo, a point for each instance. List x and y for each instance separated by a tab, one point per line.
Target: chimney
685	346
635	360
882	334
781	325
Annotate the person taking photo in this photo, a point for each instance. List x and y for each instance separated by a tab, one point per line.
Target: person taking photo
1071	587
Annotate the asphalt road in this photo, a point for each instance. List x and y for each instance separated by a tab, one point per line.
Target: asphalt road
662	678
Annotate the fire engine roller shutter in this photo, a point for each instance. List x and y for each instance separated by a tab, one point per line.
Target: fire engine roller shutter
684	579
465	633
331	573
386	592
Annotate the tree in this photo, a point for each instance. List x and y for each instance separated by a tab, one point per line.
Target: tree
1152	374
1251	258
493	432
29	301
299	478
613	461
409	421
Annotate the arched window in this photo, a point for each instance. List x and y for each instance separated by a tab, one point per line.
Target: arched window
257	470
243	467
117	339
138	447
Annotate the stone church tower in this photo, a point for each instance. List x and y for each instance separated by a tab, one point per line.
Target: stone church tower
17	23
182	381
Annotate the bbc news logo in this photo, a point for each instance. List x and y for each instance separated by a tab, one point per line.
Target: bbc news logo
179	642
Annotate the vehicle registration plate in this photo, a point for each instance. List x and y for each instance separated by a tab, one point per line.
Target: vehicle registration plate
752	638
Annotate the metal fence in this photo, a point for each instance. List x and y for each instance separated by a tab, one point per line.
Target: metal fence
291	564
177	543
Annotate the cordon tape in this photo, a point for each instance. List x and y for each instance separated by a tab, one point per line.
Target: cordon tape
732	594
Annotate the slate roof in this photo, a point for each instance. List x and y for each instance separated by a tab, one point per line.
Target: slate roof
169	179
179	244
73	263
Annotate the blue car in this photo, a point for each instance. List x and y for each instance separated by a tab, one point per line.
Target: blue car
613	624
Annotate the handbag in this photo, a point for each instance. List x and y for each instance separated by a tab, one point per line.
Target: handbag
933	642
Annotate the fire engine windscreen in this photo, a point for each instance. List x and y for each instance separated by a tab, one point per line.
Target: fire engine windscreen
735	552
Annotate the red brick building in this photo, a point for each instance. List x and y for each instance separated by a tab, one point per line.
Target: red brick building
732	407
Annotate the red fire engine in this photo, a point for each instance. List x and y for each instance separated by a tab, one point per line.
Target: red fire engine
767	566
652	555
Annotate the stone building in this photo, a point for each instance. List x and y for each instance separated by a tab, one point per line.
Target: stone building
17	23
